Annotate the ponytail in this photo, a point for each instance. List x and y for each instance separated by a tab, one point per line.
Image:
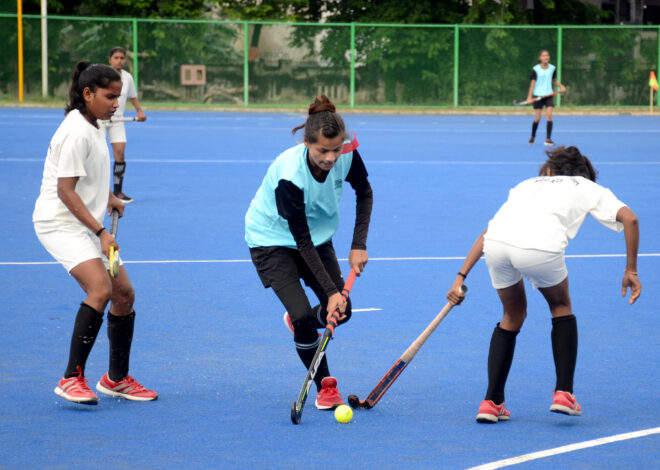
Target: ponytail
322	117
87	75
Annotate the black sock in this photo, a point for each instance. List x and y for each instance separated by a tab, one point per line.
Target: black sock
118	176
86	328
548	129
564	350
120	334
535	125
306	348
500	357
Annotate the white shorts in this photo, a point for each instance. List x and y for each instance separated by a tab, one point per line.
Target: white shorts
507	264
116	132
70	244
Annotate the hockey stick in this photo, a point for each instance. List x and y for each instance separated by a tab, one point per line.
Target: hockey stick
114	256
297	406
536	98
122	119
398	367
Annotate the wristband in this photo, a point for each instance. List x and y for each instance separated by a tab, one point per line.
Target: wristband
99	231
631	272
461	274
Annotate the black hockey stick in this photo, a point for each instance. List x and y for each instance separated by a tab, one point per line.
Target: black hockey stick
297	406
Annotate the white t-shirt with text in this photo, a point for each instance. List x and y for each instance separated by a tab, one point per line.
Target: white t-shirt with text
545	213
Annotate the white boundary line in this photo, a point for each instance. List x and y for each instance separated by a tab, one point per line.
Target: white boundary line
567	448
230	261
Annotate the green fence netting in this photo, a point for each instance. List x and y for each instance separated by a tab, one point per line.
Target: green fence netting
358	65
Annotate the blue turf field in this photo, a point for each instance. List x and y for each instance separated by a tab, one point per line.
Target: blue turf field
210	339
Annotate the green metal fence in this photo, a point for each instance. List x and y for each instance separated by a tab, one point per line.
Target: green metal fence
260	64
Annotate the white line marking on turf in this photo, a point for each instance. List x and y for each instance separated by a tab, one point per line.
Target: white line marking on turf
564	449
229	261
367	309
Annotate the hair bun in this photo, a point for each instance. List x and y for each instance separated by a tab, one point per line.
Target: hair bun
321	103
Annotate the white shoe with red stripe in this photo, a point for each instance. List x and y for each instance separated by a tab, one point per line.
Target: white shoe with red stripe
127	388
75	389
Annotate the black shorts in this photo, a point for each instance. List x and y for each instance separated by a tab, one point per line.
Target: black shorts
548	102
278	266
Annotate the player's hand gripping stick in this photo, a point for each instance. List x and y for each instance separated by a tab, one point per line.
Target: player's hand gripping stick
297	406
398	367
114	256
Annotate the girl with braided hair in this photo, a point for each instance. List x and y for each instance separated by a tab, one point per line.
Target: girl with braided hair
527	237
289	227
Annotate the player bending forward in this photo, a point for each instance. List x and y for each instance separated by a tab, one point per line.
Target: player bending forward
527	237
289	228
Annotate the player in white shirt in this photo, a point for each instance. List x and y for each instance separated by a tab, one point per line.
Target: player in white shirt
527	237
116	130
68	220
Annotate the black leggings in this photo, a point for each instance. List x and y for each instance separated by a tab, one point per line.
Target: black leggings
282	269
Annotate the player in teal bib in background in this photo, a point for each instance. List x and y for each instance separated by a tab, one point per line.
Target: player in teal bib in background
543	79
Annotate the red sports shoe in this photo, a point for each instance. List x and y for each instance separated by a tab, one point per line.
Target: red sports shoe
566	403
328	397
289	324
75	389
128	388
489	412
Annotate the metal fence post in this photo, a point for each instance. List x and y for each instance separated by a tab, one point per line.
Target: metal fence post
456	55
352	65
246	71
559	59
135	52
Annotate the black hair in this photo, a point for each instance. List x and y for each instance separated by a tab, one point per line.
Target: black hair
541	52
568	161
87	75
322	117
116	49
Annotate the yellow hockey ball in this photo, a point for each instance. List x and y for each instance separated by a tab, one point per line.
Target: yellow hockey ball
343	413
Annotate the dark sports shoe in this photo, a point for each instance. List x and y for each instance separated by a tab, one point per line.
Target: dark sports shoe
124	198
564	402
531	139
549	142
489	412
75	389
328	397
128	388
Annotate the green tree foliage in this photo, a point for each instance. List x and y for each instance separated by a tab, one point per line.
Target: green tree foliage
121	8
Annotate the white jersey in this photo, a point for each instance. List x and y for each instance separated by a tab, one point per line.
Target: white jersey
127	91
544	213
78	149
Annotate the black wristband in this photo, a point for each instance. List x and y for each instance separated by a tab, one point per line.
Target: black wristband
98	233
461	274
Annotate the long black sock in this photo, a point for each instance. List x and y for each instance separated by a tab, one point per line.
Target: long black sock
500	357
118	176
306	348
535	125
86	328
120	336
564	350
548	129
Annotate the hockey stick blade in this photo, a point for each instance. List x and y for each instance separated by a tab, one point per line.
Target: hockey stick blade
398	367
297	406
